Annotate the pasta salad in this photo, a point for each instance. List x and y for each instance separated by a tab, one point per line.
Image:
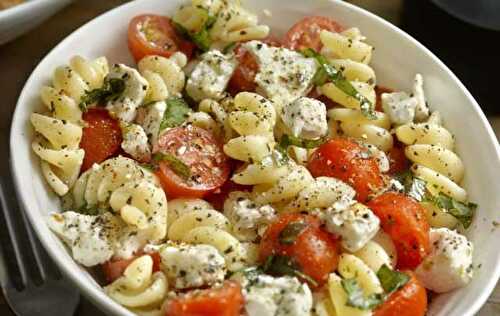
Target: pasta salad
231	172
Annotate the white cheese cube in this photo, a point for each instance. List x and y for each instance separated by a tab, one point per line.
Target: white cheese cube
269	296
135	142
150	117
305	118
399	106
356	224
192	266
211	75
124	107
284	75
249	220
449	265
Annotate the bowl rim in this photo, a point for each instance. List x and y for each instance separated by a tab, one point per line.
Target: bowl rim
25	7
99	297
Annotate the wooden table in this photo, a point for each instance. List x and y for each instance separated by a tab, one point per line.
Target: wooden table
19	58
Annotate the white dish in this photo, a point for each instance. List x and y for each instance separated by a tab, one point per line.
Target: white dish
20	19
396	59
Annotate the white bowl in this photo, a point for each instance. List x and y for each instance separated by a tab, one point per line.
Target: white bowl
397	58
24	17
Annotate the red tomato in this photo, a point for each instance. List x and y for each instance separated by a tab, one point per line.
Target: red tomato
315	251
113	269
244	75
410	300
101	137
397	159
378	92
224	301
201	152
404	220
151	34
305	33
348	161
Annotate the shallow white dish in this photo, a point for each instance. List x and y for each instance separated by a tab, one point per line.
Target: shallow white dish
20	19
397	58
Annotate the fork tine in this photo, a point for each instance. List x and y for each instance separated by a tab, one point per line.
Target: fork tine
19	239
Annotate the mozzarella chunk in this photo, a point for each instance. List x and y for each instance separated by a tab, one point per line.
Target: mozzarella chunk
150	117
249	219
95	239
356	224
283	296
124	107
135	142
380	157
399	106
210	76
284	75
421	110
449	265
305	118
191	266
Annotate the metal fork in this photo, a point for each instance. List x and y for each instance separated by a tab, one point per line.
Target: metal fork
32	285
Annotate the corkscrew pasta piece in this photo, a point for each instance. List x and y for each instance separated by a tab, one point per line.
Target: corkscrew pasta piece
164	75
139	287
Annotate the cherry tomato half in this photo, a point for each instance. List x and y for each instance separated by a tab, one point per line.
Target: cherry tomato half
403	219
101	137
200	151
151	34
348	161
305	33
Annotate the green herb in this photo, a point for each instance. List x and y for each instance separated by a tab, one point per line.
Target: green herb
287	140
88	210
463	212
414	187
176	113
177	165
356	297
201	38
229	47
391	280
111	89
289	234
283	265
327	71
149	166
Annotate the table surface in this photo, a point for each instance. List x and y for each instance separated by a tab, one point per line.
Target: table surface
19	57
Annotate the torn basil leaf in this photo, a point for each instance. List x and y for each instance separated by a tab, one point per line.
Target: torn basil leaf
229	47
177	165
414	187
463	212
176	113
201	38
287	140
283	265
356	298
391	280
291	231
327	71
110	90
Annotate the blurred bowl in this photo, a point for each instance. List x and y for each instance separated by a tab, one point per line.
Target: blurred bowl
21	18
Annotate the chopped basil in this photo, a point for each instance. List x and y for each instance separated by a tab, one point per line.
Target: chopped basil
391	280
356	297
414	187
177	165
289	234
283	265
287	140
88	210
202	37
327	71
176	113
111	89
463	212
